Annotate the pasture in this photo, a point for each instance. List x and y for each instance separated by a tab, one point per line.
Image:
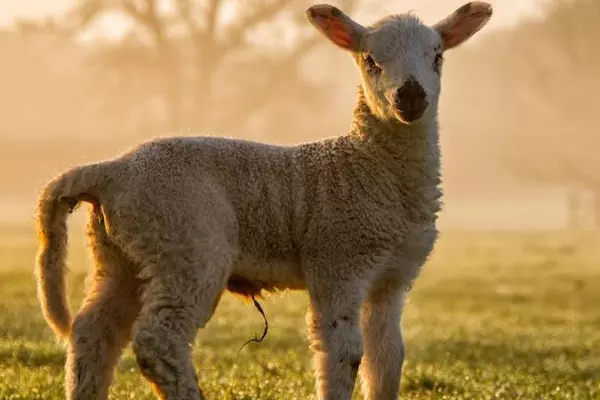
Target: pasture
493	315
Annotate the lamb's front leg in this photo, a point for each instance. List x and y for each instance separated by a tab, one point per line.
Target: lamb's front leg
334	333
384	348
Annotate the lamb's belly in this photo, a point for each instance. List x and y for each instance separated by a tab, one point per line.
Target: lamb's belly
249	277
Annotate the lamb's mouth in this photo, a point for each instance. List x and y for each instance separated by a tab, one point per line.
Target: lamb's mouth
409	116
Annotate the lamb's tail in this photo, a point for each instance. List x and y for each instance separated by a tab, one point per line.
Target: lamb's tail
58	199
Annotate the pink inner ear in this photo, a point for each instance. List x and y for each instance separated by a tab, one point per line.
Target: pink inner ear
335	30
463	23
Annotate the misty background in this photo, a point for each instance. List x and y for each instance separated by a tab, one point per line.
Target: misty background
88	79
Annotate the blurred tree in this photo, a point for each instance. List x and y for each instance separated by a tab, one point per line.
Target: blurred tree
203	65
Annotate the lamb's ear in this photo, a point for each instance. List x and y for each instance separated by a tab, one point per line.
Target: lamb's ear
463	23
336	26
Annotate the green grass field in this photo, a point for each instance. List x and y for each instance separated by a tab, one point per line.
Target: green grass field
502	316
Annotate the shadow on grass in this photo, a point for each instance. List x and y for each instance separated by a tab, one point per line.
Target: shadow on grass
427	383
513	355
30	356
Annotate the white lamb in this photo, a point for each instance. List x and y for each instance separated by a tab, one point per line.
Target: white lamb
350	219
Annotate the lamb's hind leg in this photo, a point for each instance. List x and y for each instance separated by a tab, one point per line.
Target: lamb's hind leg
102	327
180	299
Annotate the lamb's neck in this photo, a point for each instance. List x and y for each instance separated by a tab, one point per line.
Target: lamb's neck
410	150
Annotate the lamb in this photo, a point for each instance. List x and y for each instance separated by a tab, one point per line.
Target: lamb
350	219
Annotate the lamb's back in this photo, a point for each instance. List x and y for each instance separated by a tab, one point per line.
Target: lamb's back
253	180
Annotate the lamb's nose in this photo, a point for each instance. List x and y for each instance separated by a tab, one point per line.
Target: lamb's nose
411	100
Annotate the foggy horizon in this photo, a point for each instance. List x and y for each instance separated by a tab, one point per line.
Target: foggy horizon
95	101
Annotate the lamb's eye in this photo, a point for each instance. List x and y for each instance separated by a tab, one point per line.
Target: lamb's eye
371	64
437	62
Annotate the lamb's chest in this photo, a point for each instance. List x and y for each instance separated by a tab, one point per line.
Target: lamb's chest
416	246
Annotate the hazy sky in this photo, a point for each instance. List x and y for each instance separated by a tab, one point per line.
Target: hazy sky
506	11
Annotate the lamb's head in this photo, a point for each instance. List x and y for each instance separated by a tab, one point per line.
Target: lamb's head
399	57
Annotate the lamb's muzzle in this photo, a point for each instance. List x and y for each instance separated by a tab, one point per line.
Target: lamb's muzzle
411	100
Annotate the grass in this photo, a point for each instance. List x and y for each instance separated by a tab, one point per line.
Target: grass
493	316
